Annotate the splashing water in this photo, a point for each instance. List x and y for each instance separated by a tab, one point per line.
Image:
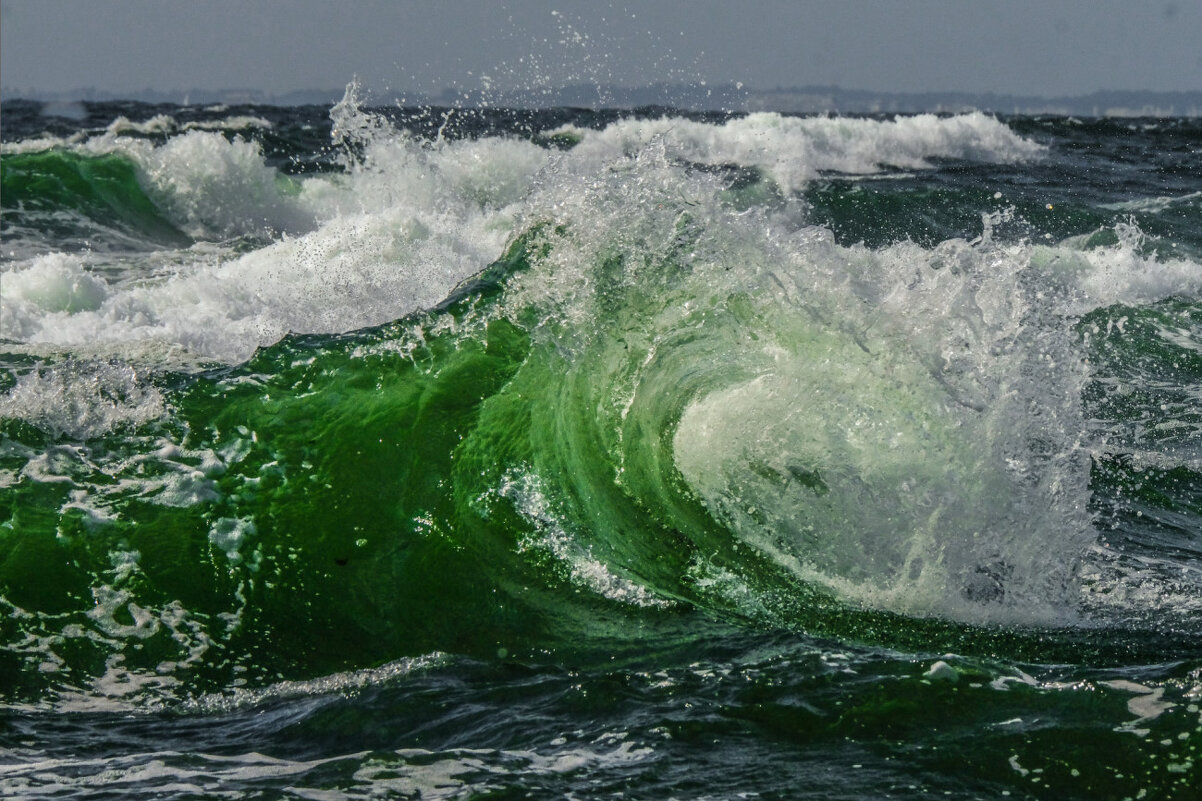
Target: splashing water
835	428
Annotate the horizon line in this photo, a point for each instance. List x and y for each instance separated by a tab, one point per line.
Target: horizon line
725	97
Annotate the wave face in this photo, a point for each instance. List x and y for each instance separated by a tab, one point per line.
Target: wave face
871	436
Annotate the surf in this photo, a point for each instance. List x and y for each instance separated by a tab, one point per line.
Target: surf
675	395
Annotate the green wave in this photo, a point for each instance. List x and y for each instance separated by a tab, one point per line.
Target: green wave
504	475
44	190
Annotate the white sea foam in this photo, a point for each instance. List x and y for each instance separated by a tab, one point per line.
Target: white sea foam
82	399
46	290
394	235
214	188
356	270
793	150
408	222
881	441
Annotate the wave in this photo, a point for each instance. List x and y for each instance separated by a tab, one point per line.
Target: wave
66	197
672	401
410	219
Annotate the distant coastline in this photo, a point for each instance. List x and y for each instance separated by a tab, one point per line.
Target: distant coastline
698	97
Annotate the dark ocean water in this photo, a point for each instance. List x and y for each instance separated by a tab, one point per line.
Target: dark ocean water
399	453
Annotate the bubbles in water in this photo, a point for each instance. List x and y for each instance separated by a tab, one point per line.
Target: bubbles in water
82	399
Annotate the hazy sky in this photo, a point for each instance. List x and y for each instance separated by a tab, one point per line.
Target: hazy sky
1027	47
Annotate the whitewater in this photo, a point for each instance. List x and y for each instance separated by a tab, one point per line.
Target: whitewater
363	451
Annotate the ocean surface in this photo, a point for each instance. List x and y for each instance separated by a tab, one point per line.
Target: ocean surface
365	452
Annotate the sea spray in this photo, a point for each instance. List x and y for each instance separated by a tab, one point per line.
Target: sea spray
552	451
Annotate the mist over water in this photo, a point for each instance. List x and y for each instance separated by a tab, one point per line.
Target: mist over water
870	436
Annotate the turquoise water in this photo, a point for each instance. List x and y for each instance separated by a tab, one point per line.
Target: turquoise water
417	453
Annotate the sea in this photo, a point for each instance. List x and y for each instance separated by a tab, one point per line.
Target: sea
374	451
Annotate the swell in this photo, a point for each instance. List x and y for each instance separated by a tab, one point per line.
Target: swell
929	209
482	478
67	198
674	403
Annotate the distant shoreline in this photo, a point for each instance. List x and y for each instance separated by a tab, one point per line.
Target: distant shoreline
724	97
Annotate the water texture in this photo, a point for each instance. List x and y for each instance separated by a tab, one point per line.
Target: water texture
428	453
